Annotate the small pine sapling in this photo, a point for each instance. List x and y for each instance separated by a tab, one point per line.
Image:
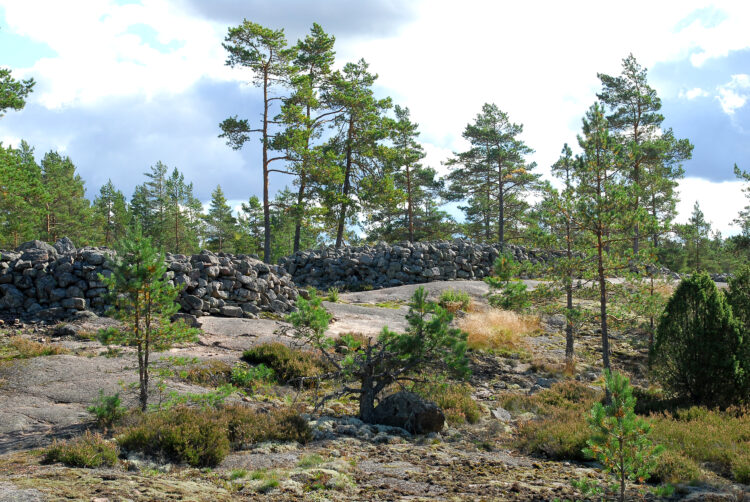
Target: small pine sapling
619	438
144	302
513	294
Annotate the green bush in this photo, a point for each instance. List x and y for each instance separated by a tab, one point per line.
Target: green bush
203	437
189	435
453	398
333	295
699	352
247	376
212	373
674	467
561	435
108	410
89	450
288	364
453	300
246	426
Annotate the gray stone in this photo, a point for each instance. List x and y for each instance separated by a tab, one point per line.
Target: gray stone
65	246
73	303
230	311
501	414
410	412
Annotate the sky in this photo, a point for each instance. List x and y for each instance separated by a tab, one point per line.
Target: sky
124	84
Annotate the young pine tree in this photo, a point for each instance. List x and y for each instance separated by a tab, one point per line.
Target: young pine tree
144	302
620	439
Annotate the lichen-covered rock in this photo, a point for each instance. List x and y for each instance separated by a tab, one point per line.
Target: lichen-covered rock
411	412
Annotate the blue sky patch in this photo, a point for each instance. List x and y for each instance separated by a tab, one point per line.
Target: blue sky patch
19	51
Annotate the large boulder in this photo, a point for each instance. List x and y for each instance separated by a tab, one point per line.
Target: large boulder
411	412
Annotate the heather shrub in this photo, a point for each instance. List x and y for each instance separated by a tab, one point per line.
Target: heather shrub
89	450
288	364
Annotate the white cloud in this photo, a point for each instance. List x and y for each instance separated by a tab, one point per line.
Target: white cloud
720	202
734	94
693	93
98	58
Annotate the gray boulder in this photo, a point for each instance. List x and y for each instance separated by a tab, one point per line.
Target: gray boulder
409	411
65	246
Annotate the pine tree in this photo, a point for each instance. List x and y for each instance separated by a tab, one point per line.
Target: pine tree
265	53
13	93
156	227
605	206
111	216
743	219
144	302
20	195
66	211
360	130
492	176
653	157
221	223
306	114
407	153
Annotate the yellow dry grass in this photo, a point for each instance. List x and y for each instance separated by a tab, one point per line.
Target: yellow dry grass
497	330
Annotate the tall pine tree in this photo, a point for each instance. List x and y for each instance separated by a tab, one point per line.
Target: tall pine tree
111	216
220	222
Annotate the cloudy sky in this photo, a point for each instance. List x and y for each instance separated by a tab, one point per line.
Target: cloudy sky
122	84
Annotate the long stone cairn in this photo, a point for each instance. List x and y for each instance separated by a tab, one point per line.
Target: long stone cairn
384	265
47	282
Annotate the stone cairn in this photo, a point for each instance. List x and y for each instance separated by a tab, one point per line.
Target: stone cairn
47	282
384	265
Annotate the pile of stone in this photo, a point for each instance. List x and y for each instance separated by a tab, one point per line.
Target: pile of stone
47	282
384	265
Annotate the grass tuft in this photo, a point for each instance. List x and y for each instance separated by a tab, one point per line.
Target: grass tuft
90	451
497	331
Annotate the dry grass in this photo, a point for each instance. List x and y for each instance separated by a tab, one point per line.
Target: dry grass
497	331
23	348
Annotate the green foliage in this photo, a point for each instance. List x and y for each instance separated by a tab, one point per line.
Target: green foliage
454	398
374	364
619	438
212	373
513	294
699	351
13	93
195	436
453	300
248	376
333	294
107	409
492	176
21	189
220	223
288	365
89	451
65	209
111	216
144	302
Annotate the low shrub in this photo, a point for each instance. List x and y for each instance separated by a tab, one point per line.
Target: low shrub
108	410
453	301
717	439
193	436
333	295
203	437
567	395
246	426
560	435
453	398
288	364
674	467
211	373
89	450
247	376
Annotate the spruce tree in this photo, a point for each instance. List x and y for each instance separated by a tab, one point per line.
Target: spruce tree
111	216
221	224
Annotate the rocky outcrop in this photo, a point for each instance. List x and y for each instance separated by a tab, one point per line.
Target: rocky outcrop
384	265
410	412
51	282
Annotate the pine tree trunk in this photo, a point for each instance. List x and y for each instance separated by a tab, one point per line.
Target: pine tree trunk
409	203
603	302
367	402
266	204
347	185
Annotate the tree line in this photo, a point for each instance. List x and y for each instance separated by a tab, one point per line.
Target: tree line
357	174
